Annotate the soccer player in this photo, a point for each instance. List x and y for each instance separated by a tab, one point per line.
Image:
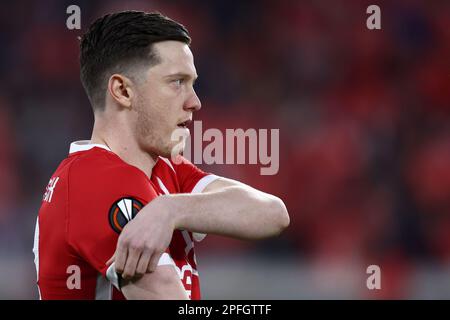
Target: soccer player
90	242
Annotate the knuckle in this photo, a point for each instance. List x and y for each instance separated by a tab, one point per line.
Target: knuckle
136	246
148	245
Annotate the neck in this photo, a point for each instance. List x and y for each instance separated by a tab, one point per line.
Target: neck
119	138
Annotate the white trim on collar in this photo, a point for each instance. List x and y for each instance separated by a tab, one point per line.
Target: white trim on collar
84	145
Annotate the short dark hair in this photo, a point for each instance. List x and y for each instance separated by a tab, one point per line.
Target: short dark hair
118	41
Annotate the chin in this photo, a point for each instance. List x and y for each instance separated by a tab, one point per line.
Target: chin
159	152
175	150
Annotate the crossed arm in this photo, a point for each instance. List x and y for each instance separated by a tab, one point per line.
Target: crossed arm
162	284
226	207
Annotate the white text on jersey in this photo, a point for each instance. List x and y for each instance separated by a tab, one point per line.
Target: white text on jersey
50	188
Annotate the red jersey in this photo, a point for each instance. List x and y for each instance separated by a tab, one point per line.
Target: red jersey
89	199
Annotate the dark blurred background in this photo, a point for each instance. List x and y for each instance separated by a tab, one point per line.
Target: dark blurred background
364	137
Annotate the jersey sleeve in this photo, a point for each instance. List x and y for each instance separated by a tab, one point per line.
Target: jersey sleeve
103	198
190	178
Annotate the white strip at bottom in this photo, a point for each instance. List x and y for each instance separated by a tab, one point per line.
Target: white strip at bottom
103	289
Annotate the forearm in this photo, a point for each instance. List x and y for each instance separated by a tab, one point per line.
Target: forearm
162	284
235	211
225	207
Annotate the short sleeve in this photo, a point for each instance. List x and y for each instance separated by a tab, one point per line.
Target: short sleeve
190	178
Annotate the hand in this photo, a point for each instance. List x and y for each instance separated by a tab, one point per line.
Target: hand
143	240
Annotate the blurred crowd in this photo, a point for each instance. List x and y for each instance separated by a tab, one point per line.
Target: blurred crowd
364	119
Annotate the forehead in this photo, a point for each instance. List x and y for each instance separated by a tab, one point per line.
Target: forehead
175	57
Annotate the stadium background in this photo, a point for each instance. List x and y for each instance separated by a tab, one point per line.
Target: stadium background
364	128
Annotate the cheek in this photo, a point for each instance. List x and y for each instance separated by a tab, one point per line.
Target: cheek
153	122
143	124
158	113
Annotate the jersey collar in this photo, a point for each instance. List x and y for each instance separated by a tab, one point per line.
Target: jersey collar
84	145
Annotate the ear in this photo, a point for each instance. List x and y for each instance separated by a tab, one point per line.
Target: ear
121	89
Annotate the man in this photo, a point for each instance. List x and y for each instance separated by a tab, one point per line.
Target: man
138	72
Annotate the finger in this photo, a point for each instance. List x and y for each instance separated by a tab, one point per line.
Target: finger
131	263
154	261
121	258
142	265
111	260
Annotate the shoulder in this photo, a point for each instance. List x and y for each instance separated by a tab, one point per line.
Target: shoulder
189	178
98	161
175	168
102	168
164	164
178	165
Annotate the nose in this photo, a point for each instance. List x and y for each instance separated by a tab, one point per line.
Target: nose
193	103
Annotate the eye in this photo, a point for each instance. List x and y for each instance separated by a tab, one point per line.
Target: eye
178	82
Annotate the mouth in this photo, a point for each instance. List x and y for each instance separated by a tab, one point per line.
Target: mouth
184	124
